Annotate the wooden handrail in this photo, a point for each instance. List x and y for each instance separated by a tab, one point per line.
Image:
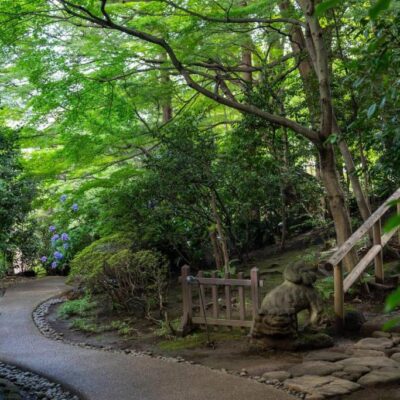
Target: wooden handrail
374	254
343	250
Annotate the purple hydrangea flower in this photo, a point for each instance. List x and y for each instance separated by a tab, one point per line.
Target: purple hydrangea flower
66	246
55	237
43	259
75	207
63	198
58	255
54	264
52	228
64	237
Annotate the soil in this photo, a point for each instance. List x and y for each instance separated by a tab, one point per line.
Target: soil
232	350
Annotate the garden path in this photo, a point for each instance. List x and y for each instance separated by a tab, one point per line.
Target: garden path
101	375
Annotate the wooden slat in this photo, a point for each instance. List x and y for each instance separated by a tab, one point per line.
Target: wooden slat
360	267
242	300
222	322
226	282
228	298
378	260
339	295
361	231
254	277
214	296
202	294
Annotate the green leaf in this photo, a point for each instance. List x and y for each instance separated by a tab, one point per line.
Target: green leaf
321	8
389	325
392	301
393	222
379	6
332	138
371	110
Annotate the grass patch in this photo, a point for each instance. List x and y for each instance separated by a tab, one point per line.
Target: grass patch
80	307
88	326
198	339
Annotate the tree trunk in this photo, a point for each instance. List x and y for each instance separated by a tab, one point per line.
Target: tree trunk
221	234
336	201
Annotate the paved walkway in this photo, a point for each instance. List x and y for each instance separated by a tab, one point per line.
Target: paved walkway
99	375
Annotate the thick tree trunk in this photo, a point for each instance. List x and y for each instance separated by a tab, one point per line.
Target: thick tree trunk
336	201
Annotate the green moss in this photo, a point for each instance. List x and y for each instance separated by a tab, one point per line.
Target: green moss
198	339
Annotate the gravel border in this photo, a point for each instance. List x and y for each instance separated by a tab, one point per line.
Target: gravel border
32	386
39	316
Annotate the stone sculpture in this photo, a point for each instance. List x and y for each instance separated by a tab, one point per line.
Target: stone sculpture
279	309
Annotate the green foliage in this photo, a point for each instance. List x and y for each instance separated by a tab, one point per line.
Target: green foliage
325	287
133	281
79	307
87	266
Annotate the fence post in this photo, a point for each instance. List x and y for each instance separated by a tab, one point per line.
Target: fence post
339	296
242	300
254	277
186	323
379	273
214	296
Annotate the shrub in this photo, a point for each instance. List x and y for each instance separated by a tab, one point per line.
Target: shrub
80	307
133	281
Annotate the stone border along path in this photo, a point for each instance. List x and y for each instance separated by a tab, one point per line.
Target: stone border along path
16	384
329	373
108	374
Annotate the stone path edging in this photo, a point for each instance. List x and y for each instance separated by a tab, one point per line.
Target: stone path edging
40	313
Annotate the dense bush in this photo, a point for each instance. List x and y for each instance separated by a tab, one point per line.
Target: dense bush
133	281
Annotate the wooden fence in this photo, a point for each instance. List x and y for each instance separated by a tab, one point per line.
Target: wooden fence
373	254
236	313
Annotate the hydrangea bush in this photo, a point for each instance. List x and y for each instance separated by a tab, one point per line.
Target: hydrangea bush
59	239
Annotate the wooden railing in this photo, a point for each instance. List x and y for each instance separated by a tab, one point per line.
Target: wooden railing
373	254
208	290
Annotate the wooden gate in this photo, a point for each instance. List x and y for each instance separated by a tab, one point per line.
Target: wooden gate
236	312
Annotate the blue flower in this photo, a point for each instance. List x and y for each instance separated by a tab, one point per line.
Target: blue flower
65	245
52	228
54	264
63	198
43	259
58	255
64	237
75	207
55	237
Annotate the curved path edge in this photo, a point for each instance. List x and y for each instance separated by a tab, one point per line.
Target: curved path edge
100	375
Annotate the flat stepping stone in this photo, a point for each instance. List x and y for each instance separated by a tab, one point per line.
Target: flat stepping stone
325	356
379	344
352	372
318	387
367	353
316	368
370	362
277	375
381	334
380	377
395	357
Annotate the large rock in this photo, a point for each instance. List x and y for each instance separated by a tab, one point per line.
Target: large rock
325	356
370	362
321	386
316	368
379	344
381	334
277	375
380	377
